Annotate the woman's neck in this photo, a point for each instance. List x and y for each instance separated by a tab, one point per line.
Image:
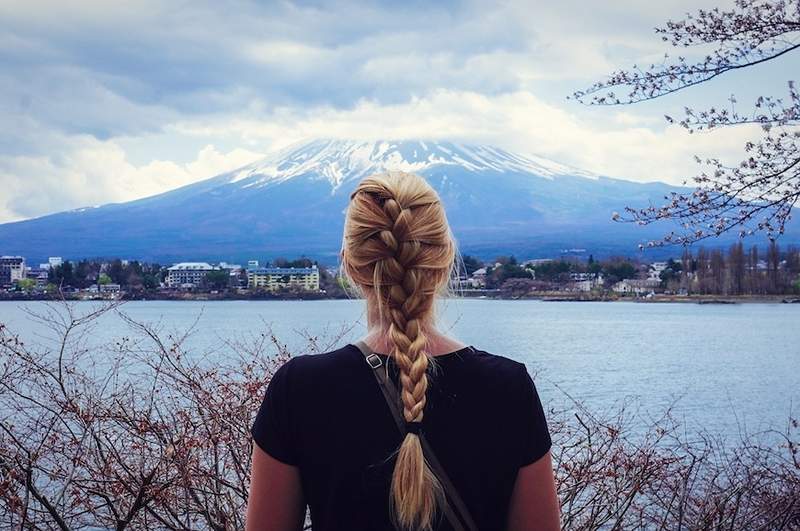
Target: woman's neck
379	340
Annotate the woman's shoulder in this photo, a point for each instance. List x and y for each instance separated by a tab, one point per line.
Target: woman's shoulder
485	362
308	367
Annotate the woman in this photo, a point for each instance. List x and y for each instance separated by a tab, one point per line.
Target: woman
325	436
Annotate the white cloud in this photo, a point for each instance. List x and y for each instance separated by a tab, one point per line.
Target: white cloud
287	54
90	172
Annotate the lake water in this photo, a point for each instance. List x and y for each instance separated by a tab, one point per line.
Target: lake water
731	367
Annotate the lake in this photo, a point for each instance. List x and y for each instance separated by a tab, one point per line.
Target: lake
730	367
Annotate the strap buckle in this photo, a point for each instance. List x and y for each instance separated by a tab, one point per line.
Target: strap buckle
374	361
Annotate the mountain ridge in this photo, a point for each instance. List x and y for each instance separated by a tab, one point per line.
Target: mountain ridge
291	202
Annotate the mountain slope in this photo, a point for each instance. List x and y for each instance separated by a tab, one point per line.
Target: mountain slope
292	203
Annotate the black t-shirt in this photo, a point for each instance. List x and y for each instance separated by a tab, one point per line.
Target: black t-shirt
325	414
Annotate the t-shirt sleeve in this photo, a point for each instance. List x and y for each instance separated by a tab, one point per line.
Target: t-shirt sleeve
535	437
272	428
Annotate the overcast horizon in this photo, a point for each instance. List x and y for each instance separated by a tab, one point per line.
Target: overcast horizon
109	103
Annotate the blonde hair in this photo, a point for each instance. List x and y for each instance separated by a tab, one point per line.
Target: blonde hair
398	250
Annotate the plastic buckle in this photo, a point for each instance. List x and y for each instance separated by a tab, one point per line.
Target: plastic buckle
374	361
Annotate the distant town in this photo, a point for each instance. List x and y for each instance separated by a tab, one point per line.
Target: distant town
736	273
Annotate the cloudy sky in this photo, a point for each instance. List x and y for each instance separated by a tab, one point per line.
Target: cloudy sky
110	101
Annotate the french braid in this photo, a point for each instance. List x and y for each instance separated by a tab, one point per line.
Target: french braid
397	244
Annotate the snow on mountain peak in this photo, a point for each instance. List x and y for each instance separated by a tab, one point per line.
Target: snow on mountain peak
340	160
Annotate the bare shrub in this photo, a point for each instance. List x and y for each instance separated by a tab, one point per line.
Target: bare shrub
138	434
614	473
146	432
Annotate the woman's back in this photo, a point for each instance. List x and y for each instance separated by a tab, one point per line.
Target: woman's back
325	414
333	441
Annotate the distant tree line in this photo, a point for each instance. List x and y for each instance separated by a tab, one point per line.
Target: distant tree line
733	271
505	268
740	271
133	275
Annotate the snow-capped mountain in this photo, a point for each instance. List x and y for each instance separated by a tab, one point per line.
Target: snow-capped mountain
292	202
341	160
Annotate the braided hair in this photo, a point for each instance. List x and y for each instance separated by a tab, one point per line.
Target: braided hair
398	250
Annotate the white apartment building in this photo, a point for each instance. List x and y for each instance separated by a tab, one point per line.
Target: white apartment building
188	274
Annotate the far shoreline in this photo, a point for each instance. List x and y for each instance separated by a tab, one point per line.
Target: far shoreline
543	297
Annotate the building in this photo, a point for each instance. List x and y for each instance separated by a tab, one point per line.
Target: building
274	278
110	288
237	277
580	276
104	288
188	274
232	269
39	274
655	270
536	262
637	286
586	281
464	282
54	261
12	269
478	279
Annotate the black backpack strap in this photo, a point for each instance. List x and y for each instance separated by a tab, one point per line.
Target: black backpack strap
460	519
